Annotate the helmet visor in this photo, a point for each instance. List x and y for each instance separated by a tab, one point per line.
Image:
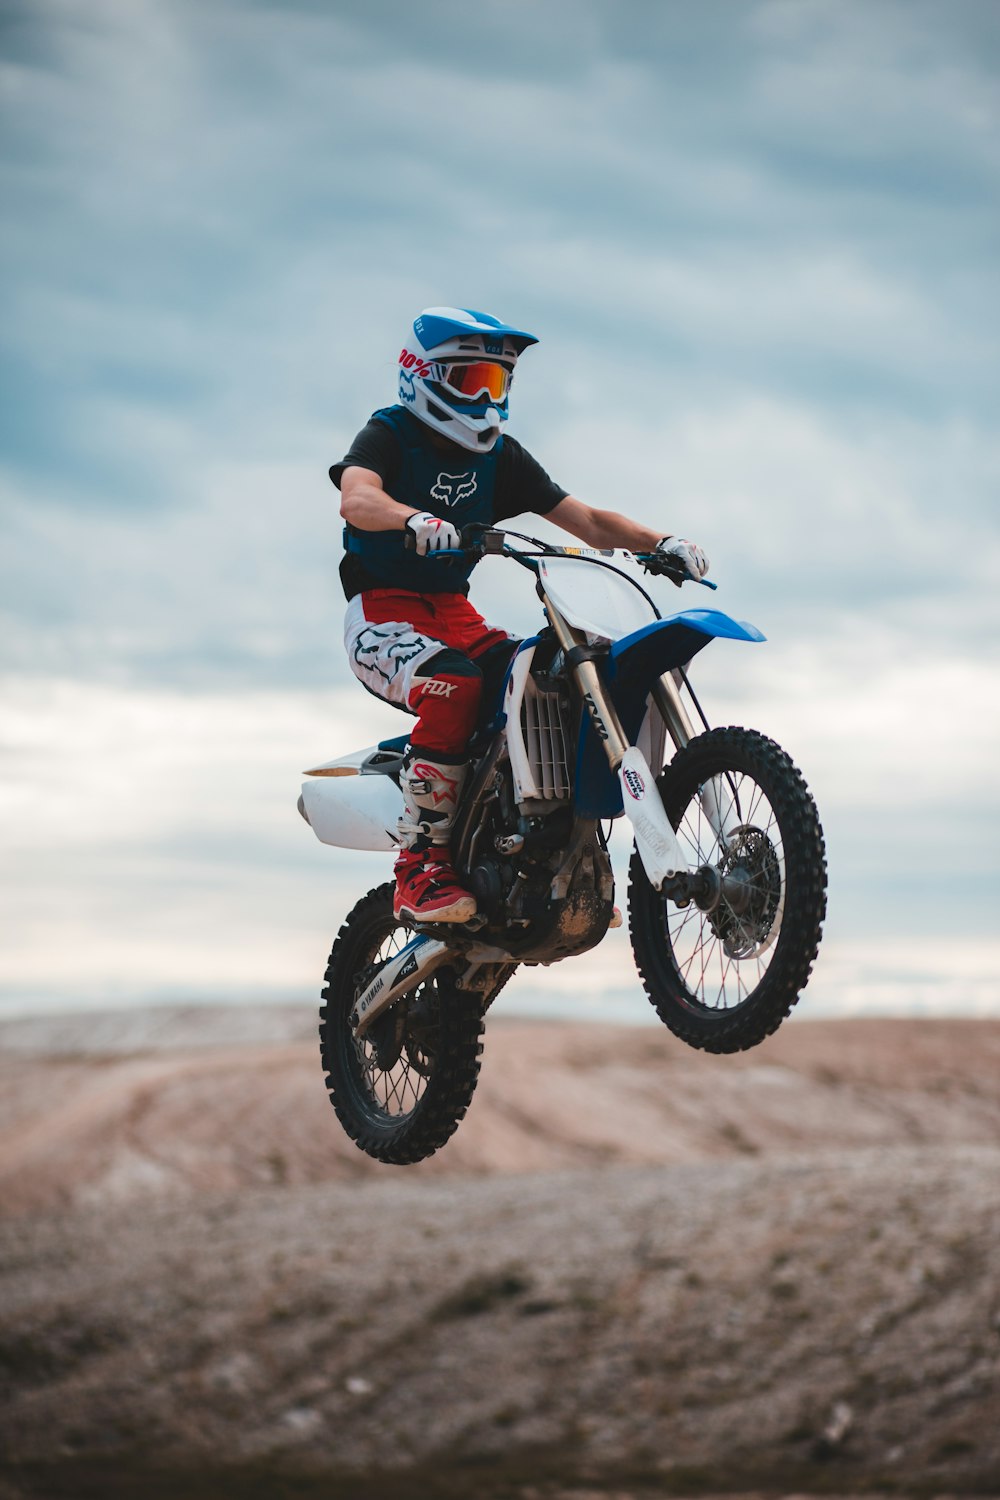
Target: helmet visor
483	378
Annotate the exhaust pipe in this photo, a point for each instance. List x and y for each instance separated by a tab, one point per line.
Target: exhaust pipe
398	975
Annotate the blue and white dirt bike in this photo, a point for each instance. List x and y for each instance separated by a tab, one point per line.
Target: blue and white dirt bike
727	880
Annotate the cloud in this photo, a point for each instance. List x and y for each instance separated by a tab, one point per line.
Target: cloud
153	845
758	244
155	851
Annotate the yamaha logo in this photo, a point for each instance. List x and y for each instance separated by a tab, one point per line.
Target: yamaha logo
635	784
372	994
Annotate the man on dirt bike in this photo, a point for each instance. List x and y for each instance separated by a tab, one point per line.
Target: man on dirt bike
413	477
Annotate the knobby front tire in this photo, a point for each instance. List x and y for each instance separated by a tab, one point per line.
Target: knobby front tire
722	981
401	1090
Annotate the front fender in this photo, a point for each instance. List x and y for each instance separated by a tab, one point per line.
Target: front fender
632	665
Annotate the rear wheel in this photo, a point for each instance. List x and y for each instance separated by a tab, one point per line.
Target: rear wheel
723	979
401	1089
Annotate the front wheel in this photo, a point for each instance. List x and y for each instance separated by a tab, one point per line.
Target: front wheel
401	1089
723	979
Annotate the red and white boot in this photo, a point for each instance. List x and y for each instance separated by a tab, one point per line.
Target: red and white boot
427	888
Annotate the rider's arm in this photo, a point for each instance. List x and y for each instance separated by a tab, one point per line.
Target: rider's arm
602	528
365	505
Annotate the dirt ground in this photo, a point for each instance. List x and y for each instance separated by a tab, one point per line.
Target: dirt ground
635	1271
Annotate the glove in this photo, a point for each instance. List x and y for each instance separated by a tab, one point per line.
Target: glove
432	533
688	554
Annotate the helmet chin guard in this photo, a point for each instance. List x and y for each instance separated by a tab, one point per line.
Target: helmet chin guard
443	338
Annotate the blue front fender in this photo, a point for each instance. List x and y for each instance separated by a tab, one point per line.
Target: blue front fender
633	664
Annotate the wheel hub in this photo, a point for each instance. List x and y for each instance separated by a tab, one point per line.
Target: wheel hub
751	890
387	1034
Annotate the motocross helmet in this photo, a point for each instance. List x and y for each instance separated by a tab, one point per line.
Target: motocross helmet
455	370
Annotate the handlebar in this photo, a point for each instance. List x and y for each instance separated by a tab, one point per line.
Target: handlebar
486	541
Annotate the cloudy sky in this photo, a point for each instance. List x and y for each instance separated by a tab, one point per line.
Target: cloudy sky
759	243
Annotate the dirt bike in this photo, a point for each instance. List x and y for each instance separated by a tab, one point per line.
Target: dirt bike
727	877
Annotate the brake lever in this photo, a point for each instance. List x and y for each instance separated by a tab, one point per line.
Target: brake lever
681	575
706	583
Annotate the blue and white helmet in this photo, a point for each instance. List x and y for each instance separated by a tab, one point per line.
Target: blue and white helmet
455	370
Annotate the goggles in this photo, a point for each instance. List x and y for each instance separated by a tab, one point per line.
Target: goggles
482	378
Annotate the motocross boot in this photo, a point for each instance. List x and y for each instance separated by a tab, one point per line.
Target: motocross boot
427	888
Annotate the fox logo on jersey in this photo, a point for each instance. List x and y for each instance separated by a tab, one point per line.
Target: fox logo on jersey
452	489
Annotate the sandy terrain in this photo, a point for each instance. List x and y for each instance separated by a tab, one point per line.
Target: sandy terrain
635	1269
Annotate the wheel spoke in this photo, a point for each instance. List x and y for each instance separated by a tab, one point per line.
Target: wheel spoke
723	975
400	1089
394	1091
712	949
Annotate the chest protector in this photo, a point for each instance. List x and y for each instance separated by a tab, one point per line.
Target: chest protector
458	486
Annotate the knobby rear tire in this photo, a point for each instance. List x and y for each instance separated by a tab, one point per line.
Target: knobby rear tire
790	869
406	1112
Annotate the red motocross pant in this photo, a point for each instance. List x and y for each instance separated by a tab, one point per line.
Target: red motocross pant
427	653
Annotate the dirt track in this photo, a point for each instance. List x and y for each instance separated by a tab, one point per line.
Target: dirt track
634	1266
170	1105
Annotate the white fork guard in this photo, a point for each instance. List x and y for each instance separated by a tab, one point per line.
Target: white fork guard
658	845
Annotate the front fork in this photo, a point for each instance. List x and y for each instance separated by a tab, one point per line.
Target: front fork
659	848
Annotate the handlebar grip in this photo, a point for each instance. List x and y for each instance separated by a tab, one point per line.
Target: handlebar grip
471	542
671	567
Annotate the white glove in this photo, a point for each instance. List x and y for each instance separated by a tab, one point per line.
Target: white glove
689	553
433	533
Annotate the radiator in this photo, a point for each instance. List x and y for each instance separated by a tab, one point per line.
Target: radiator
545	740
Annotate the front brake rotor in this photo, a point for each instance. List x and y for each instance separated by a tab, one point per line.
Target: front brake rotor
751	874
387	1033
422	1024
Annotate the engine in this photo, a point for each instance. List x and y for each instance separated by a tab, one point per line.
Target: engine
542	880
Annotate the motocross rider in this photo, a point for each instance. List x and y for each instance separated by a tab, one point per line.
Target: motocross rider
428	466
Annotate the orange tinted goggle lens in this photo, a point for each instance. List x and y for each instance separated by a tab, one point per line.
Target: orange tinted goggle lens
482	378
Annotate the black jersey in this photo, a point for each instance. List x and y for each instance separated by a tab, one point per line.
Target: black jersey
414	470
